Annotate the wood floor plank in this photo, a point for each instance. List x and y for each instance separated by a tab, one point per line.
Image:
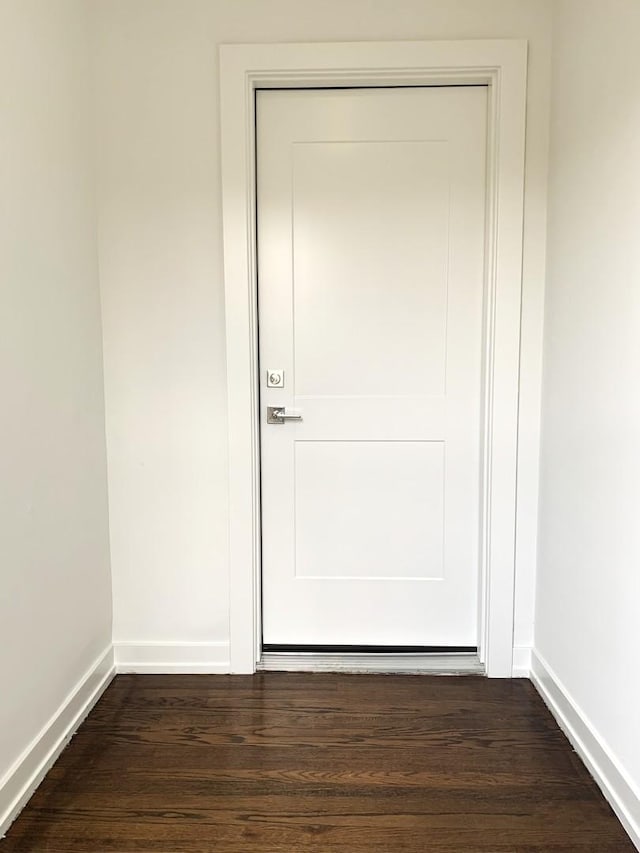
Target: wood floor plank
317	763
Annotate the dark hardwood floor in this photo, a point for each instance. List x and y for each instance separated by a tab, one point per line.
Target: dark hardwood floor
324	763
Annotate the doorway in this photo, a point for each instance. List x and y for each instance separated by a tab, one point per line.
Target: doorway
500	65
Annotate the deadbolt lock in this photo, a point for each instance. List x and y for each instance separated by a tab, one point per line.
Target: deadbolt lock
275	378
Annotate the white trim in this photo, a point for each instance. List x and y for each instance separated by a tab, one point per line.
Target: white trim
161	657
521	662
407	664
501	64
613	780
27	772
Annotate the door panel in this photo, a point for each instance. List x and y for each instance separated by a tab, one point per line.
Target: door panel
402	486
370	264
355	286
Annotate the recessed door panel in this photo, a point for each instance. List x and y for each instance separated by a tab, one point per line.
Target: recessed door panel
369	509
349	301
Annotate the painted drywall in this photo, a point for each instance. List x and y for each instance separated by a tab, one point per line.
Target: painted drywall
162	288
588	590
55	588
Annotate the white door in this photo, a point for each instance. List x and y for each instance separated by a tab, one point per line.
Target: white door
371	206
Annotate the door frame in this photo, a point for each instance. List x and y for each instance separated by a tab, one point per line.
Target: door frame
502	66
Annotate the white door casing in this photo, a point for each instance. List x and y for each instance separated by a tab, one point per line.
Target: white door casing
371	208
501	65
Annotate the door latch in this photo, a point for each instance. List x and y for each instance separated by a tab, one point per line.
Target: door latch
278	415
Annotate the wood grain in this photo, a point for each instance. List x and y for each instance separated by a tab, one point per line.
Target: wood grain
317	764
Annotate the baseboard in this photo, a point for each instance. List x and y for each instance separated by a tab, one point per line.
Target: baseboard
23	777
622	794
521	666
152	657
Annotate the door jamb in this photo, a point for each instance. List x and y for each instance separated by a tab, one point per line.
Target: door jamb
500	64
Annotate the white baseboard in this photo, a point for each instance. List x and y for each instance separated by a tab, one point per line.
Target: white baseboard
30	768
521	666
615	784
152	657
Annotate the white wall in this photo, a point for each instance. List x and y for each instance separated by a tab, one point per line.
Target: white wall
162	290
55	593
588	592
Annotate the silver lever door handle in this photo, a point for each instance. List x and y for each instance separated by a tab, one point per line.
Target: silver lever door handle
278	415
